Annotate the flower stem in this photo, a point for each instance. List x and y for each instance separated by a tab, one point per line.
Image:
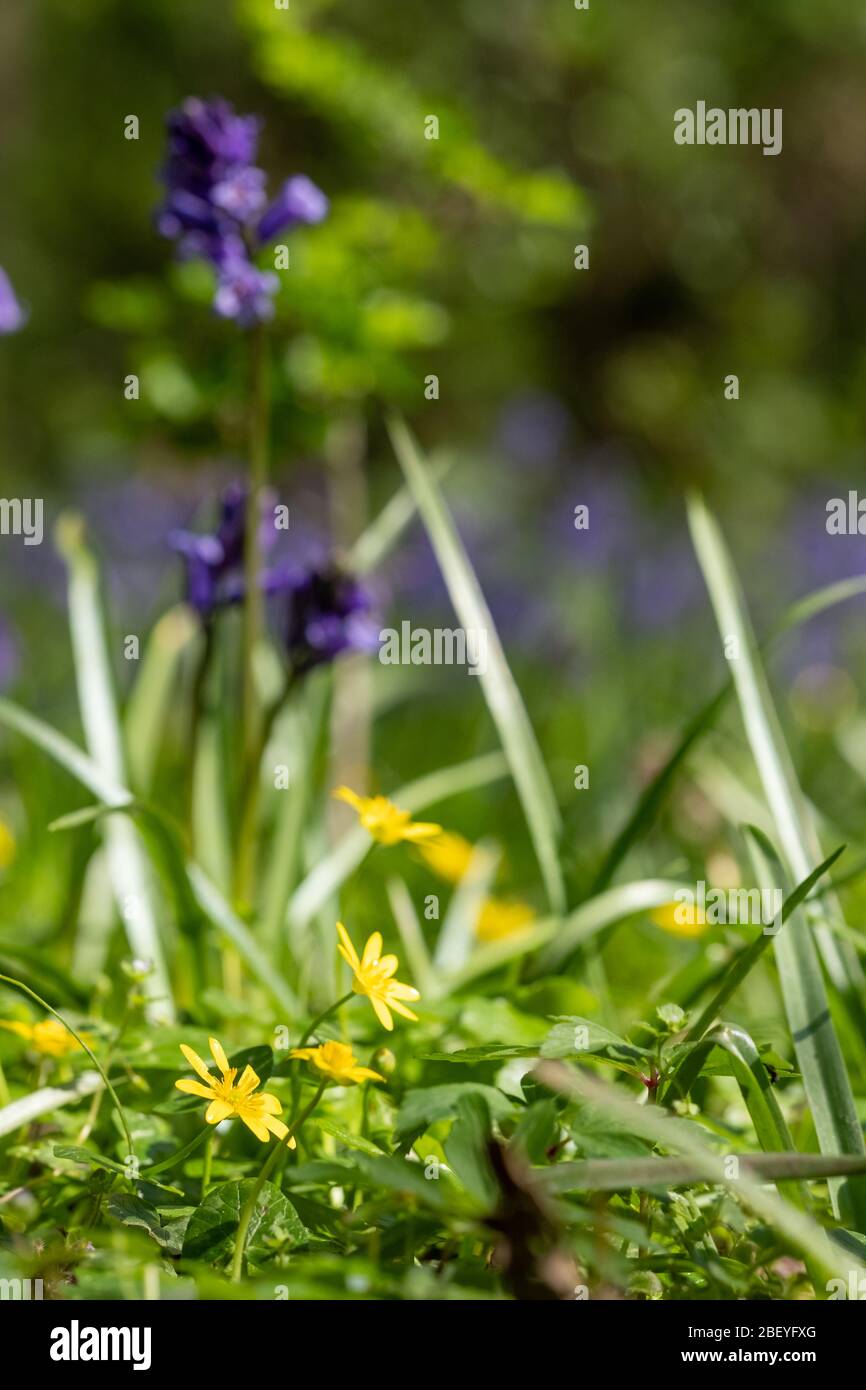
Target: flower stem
25	989
177	1155
259	430
249	1206
331	1009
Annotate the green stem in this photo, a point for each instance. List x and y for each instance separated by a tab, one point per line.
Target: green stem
208	1164
95	1104
249	796
25	989
249	1205
258	435
177	1155
331	1009
197	713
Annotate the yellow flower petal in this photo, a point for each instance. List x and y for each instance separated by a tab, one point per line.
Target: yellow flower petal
196	1063
217	1110
380	1008
194	1088
219	1056
351	798
372	950
346	949
400	1009
248	1082
421	830
364	1074
257	1126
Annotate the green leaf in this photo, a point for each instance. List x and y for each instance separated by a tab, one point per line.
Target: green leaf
503	697
423	1106
466	1149
213	1226
356	1142
745	962
577	1037
655	1126
134	1211
489	1052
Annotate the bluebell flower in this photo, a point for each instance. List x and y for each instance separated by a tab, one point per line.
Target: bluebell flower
214	563
216	204
12	316
329	613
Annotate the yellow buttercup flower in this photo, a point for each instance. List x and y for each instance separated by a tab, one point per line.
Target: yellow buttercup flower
448	855
500	917
48	1038
257	1112
336	1061
386	822
373	977
680	919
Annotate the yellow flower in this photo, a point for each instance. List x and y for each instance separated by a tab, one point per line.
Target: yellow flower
680	919
49	1038
336	1061
7	845
257	1112
501	917
448	855
373	977
385	821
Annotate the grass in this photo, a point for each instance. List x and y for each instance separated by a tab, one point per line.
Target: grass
678	1154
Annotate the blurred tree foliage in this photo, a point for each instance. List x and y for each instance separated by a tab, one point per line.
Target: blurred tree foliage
451	256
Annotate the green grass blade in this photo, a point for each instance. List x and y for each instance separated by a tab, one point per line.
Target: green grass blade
748	958
127	862
653	796
503	697
150	698
653	1123
818	1052
751	1075
64	752
620	1174
382	535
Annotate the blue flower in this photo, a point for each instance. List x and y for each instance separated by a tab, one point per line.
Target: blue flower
214	563
216	204
329	613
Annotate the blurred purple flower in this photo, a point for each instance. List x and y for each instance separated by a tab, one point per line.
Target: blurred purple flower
299	200
214	563
245	293
329	613
12	316
215	196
